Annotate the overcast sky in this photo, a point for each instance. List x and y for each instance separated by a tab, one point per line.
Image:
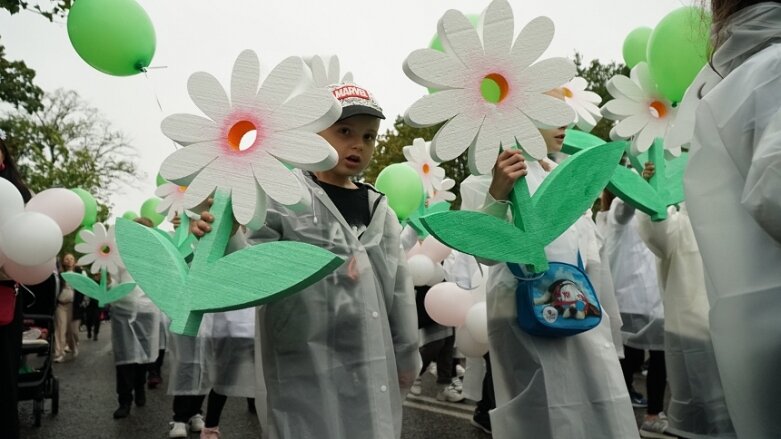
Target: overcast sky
371	38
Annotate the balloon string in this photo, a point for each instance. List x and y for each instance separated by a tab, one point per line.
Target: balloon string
154	92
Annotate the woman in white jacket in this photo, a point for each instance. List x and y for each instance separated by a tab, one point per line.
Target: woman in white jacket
733	192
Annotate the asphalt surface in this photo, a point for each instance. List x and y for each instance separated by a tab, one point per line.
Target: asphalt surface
88	399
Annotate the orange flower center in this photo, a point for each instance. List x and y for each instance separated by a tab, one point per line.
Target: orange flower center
494	88
658	109
182	189
566	92
242	135
426	168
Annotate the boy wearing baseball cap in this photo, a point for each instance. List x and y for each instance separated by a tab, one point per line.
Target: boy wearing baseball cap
337	357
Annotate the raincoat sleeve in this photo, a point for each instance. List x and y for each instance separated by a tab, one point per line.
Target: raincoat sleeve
402	318
661	236
762	192
623	212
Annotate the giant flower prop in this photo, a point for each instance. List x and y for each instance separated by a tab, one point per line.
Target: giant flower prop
326	71
491	91
642	112
217	154
583	102
419	158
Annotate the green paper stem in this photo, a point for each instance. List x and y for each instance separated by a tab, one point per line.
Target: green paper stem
103	280
521	206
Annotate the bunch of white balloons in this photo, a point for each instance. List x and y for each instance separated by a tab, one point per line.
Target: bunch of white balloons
31	236
424	261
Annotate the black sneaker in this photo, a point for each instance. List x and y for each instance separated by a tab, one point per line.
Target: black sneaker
638	400
481	421
122	412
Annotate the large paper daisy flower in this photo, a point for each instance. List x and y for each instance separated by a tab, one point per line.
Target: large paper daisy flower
172	203
284	116
583	102
642	111
490	93
99	249
419	158
326	71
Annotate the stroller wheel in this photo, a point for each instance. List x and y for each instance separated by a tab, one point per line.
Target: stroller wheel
55	396
37	411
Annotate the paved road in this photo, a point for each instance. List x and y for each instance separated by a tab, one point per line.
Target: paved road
87	401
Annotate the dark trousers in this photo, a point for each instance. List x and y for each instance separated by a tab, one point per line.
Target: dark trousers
10	357
214	406
155	369
488	401
440	351
130	378
92	318
187	406
656	381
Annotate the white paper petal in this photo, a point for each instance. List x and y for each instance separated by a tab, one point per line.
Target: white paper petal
632	125
202	186
531	140
547	110
87	259
319	74
244	199
482	156
278	182
620	86
181	166
435	108
645	138
531	42
283	82
434	69
189	128
244	79
207	93
303	150
313	110
578	83
642	76
455	137
621	108
548	74
459	37
497	28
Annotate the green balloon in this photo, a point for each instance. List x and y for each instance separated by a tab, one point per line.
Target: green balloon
113	36
130	215
90	207
636	45
149	210
160	180
677	50
402	186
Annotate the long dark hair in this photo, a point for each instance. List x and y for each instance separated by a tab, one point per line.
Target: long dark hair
722	10
9	171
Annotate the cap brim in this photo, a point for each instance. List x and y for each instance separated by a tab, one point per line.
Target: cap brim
355	110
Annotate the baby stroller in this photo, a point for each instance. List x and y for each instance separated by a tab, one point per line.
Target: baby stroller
37	382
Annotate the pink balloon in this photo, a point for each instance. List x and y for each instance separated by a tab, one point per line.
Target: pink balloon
415	250
61	205
435	249
447	304
30	275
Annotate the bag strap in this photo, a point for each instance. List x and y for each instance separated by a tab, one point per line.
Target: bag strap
581	266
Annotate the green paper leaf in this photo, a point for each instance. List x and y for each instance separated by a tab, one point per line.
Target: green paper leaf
83	284
635	191
571	189
417	225
484	236
294	265
118	292
576	141
673	192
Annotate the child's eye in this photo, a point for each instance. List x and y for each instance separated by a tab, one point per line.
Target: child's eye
344	130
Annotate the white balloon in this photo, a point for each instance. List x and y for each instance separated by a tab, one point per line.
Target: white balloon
415	250
30	275
447	304
3	258
421	268
31	238
438	276
435	249
10	200
477	322
467	345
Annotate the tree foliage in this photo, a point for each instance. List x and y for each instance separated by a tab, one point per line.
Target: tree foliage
47	8
69	144
16	84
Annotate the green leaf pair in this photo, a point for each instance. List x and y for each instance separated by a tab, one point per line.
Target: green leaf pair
214	282
100	292
561	199
414	220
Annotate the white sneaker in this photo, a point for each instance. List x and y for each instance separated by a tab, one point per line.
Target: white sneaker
59	359
460	371
458	384
656	428
196	423
450	394
75	352
178	429
432	369
416	389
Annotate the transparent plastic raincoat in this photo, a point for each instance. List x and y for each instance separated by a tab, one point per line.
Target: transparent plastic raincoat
733	185
231	353
135	326
697	407
332	356
569	387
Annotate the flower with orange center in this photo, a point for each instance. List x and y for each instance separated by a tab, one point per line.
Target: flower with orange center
642	112
490	90
419	158
172	199
99	249
247	139
583	102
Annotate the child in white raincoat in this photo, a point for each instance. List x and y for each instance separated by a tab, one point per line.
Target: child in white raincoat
335	359
569	387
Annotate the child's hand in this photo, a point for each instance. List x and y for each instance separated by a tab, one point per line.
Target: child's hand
649	170
510	166
203	226
176	221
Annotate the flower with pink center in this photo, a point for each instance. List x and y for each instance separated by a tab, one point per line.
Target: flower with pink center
246	141
99	249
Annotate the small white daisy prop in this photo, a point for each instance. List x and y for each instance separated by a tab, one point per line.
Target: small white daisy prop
442	193
242	147
99	249
642	112
585	103
491	91
172	203
419	158
326	71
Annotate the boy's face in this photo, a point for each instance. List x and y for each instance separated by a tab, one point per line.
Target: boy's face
353	139
554	137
